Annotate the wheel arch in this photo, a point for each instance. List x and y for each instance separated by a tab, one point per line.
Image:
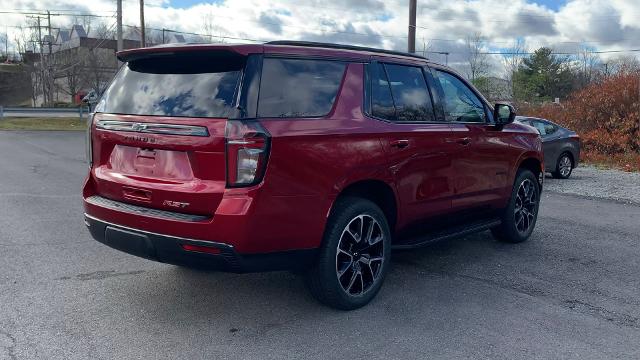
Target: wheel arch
379	192
533	163
569	151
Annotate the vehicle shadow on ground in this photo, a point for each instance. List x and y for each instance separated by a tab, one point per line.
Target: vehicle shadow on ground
262	301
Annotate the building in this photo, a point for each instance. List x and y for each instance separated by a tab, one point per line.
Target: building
74	63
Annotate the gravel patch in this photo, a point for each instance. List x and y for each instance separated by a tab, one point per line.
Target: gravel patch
598	183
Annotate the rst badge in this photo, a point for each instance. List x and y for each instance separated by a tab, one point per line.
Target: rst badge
175	204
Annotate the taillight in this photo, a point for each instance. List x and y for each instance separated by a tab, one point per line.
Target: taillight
88	144
247	152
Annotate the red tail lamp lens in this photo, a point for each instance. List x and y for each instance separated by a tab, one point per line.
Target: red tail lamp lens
247	152
201	249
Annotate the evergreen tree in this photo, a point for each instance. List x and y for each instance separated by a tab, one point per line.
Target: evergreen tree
543	76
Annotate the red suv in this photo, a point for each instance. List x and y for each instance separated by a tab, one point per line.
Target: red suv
310	157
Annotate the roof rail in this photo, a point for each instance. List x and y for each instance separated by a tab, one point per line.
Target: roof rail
343	47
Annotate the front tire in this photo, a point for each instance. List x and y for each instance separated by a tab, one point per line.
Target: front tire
564	167
521	214
354	256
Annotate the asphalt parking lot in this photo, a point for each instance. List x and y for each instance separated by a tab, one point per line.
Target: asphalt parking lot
571	291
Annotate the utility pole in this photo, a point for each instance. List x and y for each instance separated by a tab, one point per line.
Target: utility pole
50	79
6	42
119	25
44	87
142	40
49	28
412	26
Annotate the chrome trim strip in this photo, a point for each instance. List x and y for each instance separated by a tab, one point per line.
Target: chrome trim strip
144	211
198	242
152	128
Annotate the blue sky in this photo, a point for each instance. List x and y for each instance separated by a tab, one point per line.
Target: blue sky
551	4
188	3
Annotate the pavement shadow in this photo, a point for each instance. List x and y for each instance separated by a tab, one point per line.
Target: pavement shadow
262	301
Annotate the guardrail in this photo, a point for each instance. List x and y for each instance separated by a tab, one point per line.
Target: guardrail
7	111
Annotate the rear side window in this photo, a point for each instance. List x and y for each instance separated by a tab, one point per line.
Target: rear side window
410	94
298	87
399	93
550	128
178	85
539	125
381	99
543	127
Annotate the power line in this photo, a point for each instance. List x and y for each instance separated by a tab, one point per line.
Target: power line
321	30
563	53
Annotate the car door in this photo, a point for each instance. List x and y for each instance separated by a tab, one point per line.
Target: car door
419	157
551	141
483	156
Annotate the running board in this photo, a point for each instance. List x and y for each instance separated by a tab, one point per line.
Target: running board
450	233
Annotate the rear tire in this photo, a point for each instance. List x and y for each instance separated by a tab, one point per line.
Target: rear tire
564	166
354	256
521	214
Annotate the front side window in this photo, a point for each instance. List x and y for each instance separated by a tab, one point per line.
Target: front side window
460	103
298	87
189	86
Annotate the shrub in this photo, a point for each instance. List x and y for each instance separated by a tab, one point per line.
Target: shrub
606	115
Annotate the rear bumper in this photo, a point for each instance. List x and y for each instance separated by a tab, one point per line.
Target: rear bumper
169	249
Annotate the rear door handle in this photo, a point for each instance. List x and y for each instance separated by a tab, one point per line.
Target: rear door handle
400	144
464	141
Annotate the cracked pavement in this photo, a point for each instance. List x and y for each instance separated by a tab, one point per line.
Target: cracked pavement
571	291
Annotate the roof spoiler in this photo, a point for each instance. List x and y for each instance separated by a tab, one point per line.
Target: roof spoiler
172	49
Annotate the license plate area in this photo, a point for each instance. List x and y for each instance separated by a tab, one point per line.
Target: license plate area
151	163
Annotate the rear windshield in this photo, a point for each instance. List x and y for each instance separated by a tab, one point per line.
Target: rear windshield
175	85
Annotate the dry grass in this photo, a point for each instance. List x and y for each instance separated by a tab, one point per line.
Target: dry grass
20	123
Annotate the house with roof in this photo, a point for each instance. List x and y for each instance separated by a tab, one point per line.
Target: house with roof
79	62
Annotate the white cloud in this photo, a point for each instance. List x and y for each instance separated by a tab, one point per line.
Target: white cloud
602	24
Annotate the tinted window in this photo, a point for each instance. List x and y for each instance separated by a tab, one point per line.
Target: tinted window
166	87
292	88
410	94
460	103
381	100
550	128
539	125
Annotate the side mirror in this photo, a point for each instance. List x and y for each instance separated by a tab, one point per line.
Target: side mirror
503	113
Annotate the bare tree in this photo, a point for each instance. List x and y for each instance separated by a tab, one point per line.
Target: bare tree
25	40
85	21
477	60
4	43
623	64
512	59
211	28
99	62
69	67
588	67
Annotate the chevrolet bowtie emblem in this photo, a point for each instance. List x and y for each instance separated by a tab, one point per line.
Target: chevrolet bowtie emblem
138	127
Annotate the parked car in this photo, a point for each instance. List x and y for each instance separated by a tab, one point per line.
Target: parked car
561	146
90	98
317	158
